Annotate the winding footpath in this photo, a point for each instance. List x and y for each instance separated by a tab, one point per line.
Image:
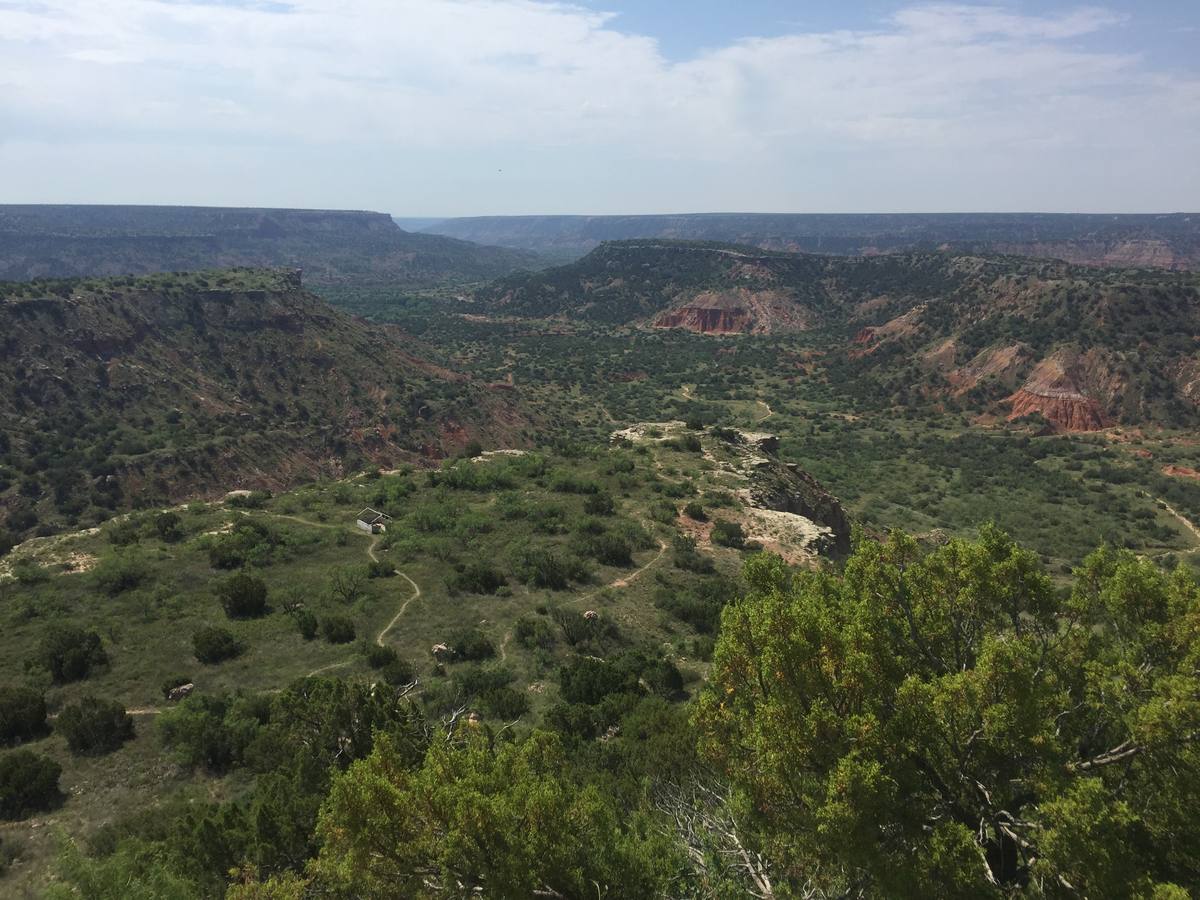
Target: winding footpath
625	580
416	593
622	582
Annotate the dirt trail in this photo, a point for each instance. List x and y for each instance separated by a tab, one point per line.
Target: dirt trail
416	592
416	588
769	412
625	580
1187	523
504	646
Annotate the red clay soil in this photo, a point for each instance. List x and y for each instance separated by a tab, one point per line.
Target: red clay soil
1181	472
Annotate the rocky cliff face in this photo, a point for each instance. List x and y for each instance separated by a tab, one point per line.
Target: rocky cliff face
1142	254
785	487
788	488
708	320
736	311
1065	411
1069	390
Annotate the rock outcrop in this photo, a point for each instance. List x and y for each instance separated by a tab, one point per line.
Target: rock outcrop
707	319
1069	391
737	311
786	487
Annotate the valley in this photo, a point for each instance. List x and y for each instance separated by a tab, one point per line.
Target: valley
595	479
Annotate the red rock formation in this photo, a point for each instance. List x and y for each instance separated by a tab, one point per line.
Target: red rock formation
864	336
1066	411
737	311
1055	389
707	320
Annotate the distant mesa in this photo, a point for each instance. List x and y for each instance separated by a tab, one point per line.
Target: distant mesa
334	247
1169	241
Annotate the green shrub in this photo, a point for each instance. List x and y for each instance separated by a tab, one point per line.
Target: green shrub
306	623
572	484
599	505
28	784
503	703
695	511
169	527
663	677
472	644
212	732
69	653
608	549
728	534
119	574
337	629
544	568
378	657
93	726
243	596
380	568
587	680
533	633
252	500
578	629
398	672
249	542
477	577
22	714
9	851
29	572
123	533
213	644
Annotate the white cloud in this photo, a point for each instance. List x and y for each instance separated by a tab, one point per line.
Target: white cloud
975	91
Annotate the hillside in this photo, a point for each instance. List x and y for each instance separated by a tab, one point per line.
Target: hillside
332	247
528	570
1163	241
1082	348
132	391
701	286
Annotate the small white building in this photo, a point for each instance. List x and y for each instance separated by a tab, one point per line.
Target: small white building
372	521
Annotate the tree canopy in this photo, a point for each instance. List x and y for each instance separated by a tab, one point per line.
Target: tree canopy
951	724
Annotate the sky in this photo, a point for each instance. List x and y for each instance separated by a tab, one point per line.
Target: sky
491	107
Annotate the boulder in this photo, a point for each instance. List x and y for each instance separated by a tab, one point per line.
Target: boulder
178	693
